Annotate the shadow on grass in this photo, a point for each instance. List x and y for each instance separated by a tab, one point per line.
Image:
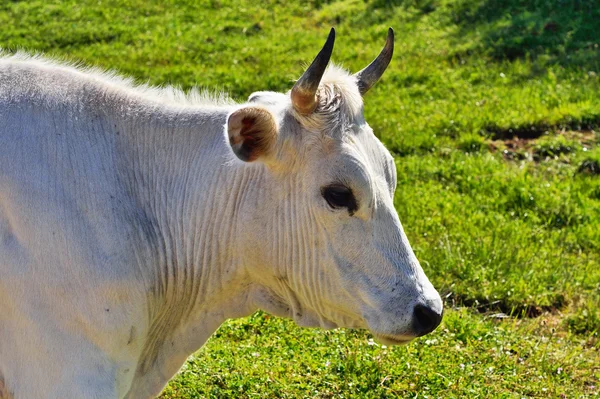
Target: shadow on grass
535	130
503	306
564	30
421	6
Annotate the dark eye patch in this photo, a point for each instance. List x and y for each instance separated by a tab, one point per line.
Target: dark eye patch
339	196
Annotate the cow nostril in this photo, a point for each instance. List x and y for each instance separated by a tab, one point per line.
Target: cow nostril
425	319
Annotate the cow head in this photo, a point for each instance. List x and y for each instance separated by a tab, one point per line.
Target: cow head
322	239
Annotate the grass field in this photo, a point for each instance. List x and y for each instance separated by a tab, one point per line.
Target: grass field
492	110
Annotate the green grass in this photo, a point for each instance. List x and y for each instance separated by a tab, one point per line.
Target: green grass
470	357
492	110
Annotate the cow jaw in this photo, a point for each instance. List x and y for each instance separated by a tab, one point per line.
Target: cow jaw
284	302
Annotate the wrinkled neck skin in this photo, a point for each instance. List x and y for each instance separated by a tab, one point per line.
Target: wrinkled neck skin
192	195
288	269
224	238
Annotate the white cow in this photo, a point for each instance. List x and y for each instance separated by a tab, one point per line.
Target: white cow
134	221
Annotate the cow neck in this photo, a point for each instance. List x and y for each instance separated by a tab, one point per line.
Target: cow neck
188	189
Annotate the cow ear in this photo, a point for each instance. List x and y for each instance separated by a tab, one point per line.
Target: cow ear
252	133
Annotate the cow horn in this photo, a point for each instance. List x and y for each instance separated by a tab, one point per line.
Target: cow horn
371	74
304	92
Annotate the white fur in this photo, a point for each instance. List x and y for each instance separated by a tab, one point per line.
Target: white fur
129	231
113	81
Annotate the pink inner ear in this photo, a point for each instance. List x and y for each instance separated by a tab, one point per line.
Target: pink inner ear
247	123
252	132
243	129
237	128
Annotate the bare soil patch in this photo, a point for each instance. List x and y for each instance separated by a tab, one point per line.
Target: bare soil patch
521	148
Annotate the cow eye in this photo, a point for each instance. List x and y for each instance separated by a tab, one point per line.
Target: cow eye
339	196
